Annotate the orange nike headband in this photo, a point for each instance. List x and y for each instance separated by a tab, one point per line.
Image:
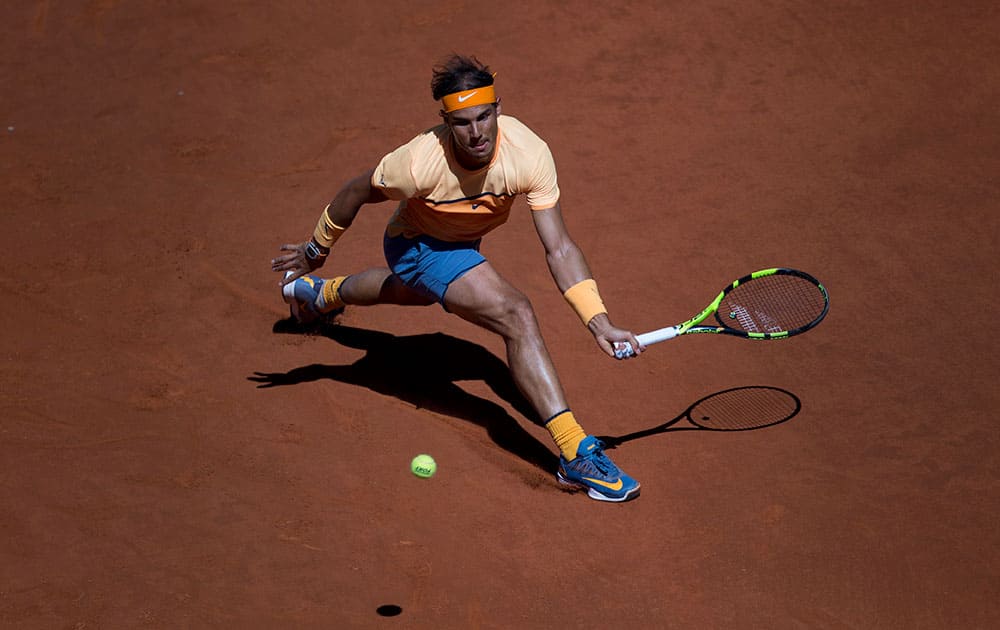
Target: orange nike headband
468	98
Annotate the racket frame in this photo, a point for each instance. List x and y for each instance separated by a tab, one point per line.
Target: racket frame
691	326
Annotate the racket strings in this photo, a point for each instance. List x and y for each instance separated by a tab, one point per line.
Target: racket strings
772	304
744	408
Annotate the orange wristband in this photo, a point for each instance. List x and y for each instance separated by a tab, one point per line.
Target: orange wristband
585	300
327	232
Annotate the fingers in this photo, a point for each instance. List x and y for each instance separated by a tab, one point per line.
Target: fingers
634	342
294	264
623	350
627	349
281	262
619	343
292	269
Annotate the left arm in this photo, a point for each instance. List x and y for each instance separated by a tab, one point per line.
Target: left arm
569	267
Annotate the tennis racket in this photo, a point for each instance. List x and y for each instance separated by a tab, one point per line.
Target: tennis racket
736	409
767	304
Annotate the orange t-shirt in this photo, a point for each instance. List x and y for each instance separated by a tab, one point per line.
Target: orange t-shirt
441	199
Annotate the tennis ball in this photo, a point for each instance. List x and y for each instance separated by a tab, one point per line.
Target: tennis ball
423	466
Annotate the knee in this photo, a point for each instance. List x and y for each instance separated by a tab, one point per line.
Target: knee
518	316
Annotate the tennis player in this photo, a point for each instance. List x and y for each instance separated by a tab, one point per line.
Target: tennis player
455	183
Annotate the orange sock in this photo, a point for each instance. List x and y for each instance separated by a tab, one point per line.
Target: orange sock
566	433
331	294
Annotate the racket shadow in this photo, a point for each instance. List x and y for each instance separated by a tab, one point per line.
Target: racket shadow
745	408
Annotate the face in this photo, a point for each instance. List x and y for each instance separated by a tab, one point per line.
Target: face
474	130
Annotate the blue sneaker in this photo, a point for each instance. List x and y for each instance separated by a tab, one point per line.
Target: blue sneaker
305	299
593	470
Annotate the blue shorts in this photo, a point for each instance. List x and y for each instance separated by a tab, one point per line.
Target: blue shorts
428	265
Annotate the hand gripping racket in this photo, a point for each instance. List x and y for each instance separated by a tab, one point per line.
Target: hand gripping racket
767	304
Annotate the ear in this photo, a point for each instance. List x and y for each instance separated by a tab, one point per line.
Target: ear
498	107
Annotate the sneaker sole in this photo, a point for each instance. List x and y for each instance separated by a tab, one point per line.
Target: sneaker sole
596	494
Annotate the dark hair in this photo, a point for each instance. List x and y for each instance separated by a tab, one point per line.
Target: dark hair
458	73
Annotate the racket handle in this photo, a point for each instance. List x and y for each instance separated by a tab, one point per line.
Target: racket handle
645	339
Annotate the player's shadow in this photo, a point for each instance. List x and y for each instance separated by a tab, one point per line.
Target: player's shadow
424	370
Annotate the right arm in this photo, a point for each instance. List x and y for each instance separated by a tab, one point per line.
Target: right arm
337	216
352	196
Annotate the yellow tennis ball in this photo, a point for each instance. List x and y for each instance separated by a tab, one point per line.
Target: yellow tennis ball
423	466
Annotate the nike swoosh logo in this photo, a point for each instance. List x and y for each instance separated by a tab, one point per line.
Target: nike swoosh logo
611	486
462	99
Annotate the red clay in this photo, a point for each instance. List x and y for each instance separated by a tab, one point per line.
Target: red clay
154	156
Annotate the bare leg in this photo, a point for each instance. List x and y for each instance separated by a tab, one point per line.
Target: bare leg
484	298
379	285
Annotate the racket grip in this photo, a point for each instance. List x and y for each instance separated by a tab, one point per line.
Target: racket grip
645	339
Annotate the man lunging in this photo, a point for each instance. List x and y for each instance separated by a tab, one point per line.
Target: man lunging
455	183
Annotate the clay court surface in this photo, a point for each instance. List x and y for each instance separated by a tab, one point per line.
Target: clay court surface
156	154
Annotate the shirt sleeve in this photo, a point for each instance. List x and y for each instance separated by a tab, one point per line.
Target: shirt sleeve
543	192
394	175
